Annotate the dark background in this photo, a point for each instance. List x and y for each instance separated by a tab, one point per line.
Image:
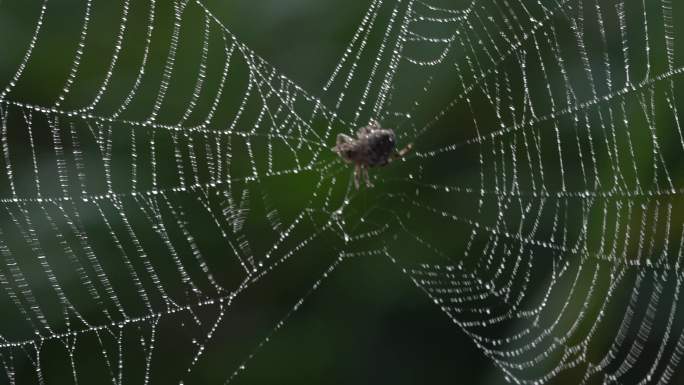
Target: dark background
367	322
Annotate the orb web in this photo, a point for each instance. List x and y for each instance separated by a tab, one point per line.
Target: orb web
540	210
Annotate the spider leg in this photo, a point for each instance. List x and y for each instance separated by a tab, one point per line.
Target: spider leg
367	177
405	150
401	153
341	139
357	175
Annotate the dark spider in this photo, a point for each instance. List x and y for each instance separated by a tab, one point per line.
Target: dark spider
373	146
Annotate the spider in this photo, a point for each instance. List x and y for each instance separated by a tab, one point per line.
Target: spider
373	146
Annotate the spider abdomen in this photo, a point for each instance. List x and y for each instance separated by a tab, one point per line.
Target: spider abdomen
379	147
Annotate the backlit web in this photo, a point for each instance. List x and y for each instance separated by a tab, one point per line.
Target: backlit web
541	209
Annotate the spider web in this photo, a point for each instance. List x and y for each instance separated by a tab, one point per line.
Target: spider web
540	211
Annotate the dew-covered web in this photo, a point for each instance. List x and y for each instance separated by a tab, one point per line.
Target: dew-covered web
541	209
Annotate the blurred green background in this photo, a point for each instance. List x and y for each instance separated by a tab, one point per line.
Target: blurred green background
366	322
